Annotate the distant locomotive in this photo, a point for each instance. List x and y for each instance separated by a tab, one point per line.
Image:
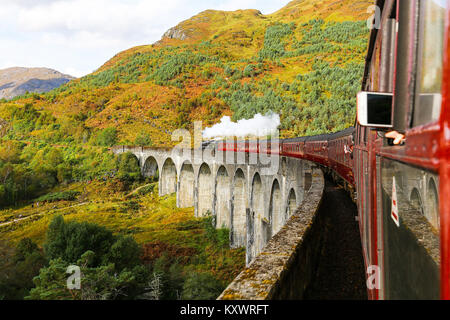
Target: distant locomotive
402	191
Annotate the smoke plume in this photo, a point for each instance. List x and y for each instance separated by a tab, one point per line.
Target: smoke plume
259	126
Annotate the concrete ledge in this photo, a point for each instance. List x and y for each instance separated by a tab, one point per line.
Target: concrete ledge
286	266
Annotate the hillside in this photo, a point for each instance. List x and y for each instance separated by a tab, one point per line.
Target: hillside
18	81
304	61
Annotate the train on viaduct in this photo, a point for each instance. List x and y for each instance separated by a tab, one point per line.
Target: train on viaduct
400	187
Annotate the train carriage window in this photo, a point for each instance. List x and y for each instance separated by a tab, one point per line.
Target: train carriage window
375	85
389	32
430	64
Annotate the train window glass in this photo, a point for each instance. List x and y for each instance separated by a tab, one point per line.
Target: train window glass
415	241
431	55
376	68
339	151
389	32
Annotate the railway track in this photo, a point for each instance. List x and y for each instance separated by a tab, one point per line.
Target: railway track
340	272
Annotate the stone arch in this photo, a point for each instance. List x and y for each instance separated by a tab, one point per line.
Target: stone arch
138	160
284	167
240	205
257	205
205	188
223	197
432	204
308	181
275	209
127	156
186	186
168	183
291	205
150	169
416	200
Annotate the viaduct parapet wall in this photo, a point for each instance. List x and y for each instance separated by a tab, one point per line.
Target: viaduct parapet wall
286	266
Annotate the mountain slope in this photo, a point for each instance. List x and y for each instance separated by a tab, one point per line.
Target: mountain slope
304	62
337	10
17	81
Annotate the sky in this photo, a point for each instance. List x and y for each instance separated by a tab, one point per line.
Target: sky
78	36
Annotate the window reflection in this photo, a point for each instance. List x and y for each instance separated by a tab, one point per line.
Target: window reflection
431	51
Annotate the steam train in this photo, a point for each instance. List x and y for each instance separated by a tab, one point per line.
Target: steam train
401	190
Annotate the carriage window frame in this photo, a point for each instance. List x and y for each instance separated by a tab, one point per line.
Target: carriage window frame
388	50
431	114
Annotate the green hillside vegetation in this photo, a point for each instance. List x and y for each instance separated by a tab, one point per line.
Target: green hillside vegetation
140	239
266	63
304	62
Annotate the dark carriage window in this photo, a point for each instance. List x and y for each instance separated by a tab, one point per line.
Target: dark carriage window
431	55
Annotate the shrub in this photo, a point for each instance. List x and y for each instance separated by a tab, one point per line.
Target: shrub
148	189
59	196
218	236
171	278
143	140
97	283
201	286
128	168
72	239
124	253
274	44
107	137
18	267
177	64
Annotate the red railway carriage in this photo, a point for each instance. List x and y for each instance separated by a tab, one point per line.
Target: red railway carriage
404	234
402	190
340	156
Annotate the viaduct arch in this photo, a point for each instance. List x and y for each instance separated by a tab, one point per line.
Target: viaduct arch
244	196
186	186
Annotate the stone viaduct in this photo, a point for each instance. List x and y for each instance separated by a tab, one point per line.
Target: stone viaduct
252	195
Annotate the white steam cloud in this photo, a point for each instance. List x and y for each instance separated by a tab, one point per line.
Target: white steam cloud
259	126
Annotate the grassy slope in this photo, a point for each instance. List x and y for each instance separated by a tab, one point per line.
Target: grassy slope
157	223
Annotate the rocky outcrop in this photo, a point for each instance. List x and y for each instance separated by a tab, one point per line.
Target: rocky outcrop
207	23
176	33
18	81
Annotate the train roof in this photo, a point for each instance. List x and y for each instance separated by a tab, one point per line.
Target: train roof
323	137
343	133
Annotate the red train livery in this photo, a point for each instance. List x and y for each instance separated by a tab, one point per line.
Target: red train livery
402	191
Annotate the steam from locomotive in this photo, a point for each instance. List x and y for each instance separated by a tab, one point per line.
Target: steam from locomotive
258	126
